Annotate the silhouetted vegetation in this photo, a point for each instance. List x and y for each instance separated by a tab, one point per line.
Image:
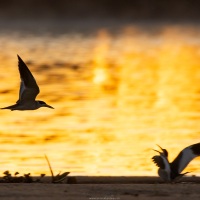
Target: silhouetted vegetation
16	178
59	177
27	178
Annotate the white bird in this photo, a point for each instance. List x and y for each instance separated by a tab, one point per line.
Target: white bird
28	91
171	171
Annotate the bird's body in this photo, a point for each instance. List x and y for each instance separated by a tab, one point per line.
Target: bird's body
171	171
28	91
30	105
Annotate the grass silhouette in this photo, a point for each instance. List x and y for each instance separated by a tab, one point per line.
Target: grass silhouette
27	178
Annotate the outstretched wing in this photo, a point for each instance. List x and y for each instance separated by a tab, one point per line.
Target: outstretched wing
28	87
159	161
185	157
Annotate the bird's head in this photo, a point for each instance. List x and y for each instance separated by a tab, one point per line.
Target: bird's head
163	153
43	104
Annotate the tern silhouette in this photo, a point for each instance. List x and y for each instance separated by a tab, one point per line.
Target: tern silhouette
28	91
171	171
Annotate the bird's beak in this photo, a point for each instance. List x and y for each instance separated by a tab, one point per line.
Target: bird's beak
157	151
160	147
48	106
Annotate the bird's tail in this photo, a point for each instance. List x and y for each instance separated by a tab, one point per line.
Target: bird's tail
10	107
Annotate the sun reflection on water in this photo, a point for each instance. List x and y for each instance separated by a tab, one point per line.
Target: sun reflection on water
115	96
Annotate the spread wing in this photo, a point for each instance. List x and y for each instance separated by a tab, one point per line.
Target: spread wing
185	157
28	87
158	160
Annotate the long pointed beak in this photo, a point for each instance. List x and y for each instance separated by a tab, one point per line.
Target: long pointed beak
160	147
157	151
49	106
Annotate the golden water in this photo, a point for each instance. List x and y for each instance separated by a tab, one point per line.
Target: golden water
116	95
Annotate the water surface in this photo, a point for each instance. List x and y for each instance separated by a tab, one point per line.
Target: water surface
116	93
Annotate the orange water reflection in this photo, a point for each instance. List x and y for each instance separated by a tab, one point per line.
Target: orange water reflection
115	96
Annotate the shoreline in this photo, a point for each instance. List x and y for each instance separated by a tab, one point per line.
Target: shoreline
127	179
108	180
103	188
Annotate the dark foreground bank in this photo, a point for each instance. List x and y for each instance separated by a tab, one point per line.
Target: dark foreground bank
104	188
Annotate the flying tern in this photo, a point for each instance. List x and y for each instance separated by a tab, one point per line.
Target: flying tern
28	91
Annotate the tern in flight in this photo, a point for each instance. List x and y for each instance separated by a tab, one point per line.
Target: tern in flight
28	91
171	171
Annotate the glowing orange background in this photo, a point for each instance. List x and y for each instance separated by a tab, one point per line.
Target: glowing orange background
115	96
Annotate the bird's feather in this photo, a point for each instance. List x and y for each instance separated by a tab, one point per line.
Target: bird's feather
185	157
28	87
159	162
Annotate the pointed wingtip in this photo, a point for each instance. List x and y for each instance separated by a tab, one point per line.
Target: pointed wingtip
20	60
18	57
